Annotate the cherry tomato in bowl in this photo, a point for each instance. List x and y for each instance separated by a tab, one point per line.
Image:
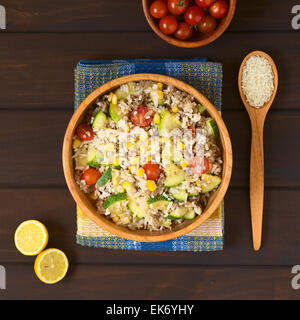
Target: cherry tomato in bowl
85	132
168	24
152	171
178	7
204	3
90	176
207	25
158	9
219	9
193	15
142	116
199	165
184	31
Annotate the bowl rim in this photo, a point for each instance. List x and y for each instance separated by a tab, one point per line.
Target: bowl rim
89	208
190	44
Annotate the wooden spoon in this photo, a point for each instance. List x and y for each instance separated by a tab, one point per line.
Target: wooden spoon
257	118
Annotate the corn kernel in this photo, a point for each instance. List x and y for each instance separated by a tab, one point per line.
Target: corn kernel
149	158
93	196
160	94
114	99
184	163
116	162
198	183
110	96
109	147
129	145
115	219
127	185
127	129
76	143
156	118
181	145
140	172
151	185
175	109
160	85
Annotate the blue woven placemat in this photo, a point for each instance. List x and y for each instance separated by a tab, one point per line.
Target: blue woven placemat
199	73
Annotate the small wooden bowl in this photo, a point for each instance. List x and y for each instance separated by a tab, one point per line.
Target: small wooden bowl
198	39
88	206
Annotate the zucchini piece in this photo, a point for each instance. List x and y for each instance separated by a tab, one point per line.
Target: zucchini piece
159	203
94	157
113	199
114	112
106	176
179	194
168	122
137	209
174	176
99	121
178	213
131	87
211	182
212	128
190	214
121	94
201	108
156	98
81	161
174	154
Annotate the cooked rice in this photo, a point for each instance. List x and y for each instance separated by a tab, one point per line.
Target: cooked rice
114	133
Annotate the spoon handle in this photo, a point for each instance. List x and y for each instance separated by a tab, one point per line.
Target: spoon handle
257	178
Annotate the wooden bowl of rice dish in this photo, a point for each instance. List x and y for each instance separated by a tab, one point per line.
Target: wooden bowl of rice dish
94	197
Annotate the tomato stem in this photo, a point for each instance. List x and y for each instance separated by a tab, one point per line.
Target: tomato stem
181	3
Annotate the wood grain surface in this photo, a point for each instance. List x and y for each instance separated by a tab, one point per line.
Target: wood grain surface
38	53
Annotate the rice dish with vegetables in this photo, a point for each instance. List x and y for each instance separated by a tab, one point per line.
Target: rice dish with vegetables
148	155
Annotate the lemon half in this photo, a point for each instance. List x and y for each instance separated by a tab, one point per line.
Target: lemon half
51	266
31	237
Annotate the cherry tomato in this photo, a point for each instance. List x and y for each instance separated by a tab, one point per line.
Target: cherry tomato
85	132
142	116
158	9
152	171
199	165
207	25
178	7
204	3
193	15
168	24
219	9
184	31
90	176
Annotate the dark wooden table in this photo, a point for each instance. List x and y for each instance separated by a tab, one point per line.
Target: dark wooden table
38	52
